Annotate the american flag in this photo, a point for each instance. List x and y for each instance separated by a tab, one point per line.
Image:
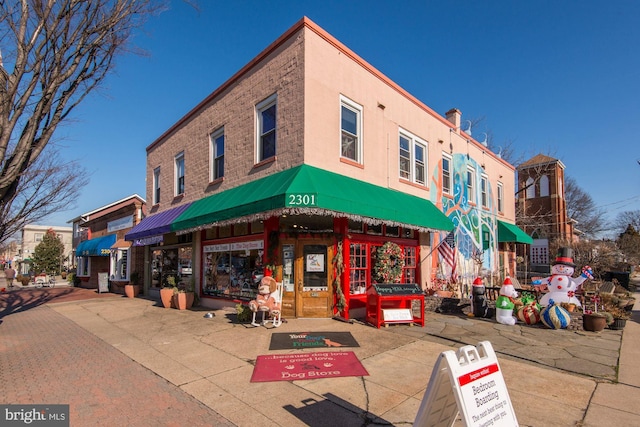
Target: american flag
447	249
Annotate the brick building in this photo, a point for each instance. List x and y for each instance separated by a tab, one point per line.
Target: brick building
542	207
309	161
102	253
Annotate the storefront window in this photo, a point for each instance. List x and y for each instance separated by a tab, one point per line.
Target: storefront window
119	265
83	266
362	258
233	270
359	268
170	266
410	264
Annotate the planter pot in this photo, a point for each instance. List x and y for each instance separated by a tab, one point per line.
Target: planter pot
593	323
166	296
618	324
191	296
183	300
131	291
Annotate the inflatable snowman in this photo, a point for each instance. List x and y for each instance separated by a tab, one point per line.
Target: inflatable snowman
562	287
505	303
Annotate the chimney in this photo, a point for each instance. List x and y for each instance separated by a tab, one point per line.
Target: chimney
454	116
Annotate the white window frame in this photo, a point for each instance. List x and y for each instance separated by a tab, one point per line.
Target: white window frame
179	172
156	185
261	134
544	186
216	172
500	191
471	184
346	103
84	266
530	191
120	261
447	185
38	237
484	191
410	156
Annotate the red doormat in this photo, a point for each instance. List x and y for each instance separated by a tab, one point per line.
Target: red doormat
300	340
307	366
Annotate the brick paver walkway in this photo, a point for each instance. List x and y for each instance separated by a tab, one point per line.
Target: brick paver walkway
45	358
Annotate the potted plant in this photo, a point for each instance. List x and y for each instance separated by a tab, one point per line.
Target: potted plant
23	279
620	317
166	292
132	289
184	295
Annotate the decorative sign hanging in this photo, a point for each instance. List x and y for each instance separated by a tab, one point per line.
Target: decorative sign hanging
468	382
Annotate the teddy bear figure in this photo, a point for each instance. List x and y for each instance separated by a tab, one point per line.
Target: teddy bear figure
264	300
506	302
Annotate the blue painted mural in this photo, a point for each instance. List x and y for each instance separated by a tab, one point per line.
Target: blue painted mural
472	208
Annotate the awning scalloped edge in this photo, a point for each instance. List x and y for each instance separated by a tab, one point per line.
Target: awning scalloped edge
303	211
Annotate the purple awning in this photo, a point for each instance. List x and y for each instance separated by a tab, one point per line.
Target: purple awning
157	224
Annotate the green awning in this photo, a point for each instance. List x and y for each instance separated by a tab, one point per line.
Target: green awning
100	246
512	233
308	190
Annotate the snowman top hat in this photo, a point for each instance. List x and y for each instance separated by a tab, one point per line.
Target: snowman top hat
565	257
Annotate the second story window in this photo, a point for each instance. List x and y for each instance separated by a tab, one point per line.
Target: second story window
412	158
483	191
156	185
446	174
266	116
500	191
217	155
351	130
179	174
471	185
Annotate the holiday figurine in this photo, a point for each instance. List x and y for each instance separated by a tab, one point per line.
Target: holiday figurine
479	305
562	287
506	303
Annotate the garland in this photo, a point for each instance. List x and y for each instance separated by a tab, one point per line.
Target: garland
341	302
389	263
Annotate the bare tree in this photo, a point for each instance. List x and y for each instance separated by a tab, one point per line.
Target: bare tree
626	219
582	208
55	53
47	186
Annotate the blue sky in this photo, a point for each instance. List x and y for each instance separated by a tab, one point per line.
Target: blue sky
552	77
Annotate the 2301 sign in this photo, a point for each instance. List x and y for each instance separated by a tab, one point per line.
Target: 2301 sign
306	199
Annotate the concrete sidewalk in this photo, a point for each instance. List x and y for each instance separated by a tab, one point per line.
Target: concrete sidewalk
212	361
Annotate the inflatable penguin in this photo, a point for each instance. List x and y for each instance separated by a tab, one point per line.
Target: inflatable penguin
562	287
479	304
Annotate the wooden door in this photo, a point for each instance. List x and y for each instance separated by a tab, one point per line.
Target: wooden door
314	272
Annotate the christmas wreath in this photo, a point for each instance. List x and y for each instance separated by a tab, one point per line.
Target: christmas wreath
389	263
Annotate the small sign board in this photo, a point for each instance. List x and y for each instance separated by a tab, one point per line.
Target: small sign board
397	315
103	282
397	289
468	382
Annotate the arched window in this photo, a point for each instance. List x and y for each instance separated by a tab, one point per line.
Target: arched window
531	188
544	186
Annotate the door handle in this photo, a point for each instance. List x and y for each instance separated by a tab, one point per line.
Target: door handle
300	285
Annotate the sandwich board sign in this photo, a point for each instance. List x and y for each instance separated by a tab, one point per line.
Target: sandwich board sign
468	382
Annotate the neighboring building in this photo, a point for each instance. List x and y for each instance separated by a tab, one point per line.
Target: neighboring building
8	253
310	160
98	237
32	235
542	208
